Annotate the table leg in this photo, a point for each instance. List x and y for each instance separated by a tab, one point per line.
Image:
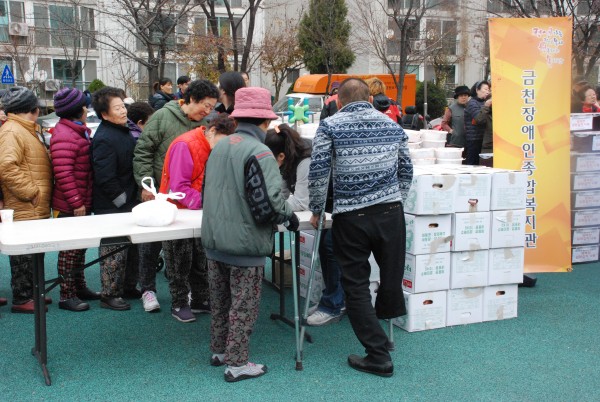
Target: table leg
281	258
40	351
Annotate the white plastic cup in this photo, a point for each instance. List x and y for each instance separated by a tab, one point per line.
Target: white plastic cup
6	215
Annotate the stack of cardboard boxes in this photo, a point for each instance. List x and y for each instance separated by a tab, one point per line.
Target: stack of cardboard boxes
585	187
464	246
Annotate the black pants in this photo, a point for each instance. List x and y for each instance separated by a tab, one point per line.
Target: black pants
379	229
472	151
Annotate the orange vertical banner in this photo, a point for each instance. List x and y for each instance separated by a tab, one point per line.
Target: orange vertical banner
531	89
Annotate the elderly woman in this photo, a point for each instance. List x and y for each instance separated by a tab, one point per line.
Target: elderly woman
72	195
114	191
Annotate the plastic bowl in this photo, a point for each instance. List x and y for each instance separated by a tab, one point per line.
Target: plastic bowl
453	161
423	161
413	135
422	153
433	144
448	153
433	135
414	145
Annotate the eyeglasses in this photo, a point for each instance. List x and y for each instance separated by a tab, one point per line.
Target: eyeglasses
207	106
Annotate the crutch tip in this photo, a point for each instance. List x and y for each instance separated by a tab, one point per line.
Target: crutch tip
299	366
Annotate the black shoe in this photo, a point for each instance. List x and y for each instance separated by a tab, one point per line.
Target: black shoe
363	364
88	294
114	303
132	293
73	304
528	281
200	307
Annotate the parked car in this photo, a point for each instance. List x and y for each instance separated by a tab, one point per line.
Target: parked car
48	122
315	105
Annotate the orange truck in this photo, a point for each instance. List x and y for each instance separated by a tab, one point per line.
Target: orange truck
317	84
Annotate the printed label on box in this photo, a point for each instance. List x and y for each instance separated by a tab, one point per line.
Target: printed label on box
426	272
428	234
470	231
430	194
585	181
509	190
586	162
586	199
508	228
585	253
589	217
586	236
473	193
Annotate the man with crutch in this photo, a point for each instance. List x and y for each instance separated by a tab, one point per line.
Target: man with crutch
372	173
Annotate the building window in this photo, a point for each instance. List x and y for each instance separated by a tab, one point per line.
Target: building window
63	70
394	36
12	11
293	75
442	35
498	6
404	4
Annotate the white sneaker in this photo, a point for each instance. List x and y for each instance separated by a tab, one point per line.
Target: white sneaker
249	370
322	318
150	302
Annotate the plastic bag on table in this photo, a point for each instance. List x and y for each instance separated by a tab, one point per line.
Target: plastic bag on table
159	211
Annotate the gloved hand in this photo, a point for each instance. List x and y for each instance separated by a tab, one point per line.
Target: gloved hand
293	224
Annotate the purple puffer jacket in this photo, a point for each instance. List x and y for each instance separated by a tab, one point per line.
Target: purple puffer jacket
70	153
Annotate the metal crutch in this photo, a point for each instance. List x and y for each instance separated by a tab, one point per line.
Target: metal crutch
297	332
313	261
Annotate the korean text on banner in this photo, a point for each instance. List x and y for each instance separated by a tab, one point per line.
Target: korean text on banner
531	66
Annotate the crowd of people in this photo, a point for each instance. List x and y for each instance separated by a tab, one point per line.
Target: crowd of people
213	143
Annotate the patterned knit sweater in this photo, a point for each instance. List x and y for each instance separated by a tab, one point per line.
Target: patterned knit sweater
371	164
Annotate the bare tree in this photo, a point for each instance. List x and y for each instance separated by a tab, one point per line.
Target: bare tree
148	25
585	15
70	30
281	53
241	47
22	50
391	31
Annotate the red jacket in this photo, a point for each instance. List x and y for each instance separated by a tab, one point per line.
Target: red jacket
71	163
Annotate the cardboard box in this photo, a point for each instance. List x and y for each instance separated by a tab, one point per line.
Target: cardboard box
473	192
585	199
500	302
585	162
424	311
585	181
585	236
428	234
509	189
584	121
430	194
469	269
426	272
306	239
585	253
287	274
506	265
317	285
470	231
464	306
585	217
508	228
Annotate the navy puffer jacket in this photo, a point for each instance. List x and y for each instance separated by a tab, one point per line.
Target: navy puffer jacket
473	132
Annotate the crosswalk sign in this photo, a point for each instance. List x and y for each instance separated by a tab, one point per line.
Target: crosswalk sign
7	76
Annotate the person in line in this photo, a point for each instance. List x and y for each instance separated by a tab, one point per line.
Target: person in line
330	106
371	177
577	84
25	180
242	202
138	114
114	191
381	101
588	100
293	156
182	83
162	128
163	93
3	118
453	121
474	131
229	83
73	180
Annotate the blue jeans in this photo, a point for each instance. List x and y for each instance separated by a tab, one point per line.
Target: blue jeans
332	300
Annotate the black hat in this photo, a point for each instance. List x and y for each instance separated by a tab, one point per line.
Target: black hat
461	90
19	100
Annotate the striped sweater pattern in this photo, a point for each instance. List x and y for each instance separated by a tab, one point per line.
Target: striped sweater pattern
368	155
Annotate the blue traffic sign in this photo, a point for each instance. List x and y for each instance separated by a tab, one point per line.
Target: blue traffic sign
7	76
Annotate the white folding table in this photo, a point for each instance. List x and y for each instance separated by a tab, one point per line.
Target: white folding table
48	235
